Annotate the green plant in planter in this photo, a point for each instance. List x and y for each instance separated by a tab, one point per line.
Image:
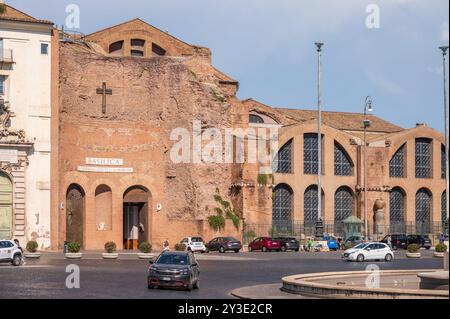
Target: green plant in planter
441	248
413	248
73	247
145	247
32	246
110	247
180	247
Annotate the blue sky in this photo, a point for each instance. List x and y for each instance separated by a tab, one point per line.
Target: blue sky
268	45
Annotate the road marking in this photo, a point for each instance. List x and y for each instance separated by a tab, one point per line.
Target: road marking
26	266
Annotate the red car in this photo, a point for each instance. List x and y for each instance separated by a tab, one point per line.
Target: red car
264	244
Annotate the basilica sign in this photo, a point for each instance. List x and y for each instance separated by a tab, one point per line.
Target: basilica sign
104	161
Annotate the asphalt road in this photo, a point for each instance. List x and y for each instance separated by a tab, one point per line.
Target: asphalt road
220	274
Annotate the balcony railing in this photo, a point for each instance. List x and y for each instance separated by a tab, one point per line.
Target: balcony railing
6	56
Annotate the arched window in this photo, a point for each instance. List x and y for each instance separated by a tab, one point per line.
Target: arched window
310	206
116	47
282	208
310	153
397	163
283	161
255	119
444	207
343	208
137	43
423	158
443	168
397	211
423	211
342	164
157	50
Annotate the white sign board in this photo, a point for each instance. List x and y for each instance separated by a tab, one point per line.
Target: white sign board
104	161
100	169
10	156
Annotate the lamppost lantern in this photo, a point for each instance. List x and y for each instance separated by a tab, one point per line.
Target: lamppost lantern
444	50
319	46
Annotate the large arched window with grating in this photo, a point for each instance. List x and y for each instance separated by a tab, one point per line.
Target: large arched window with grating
282	208
310	153
423	158
343	208
283	161
397	211
343	166
443	168
397	163
310	206
256	119
423	211
444	206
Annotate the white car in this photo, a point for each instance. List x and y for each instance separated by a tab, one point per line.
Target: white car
194	244
10	253
369	251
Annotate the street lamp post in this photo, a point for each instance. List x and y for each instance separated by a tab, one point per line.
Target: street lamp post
367	108
444	54
319	222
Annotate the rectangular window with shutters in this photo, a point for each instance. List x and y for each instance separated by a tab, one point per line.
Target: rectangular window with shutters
2	84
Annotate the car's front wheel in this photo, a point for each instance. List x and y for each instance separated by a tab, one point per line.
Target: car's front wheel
17	260
250	249
264	249
283	249
222	250
360	258
388	257
236	251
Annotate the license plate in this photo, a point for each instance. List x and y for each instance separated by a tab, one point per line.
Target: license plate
166	279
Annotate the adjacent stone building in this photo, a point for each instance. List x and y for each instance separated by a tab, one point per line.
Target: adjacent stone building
25	134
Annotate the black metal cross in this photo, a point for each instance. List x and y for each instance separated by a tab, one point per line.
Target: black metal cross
104	91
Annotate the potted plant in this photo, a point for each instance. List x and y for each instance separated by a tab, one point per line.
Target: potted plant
73	249
31	248
110	251
146	249
413	251
440	249
180	247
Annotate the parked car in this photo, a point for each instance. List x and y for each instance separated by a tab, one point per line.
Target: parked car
354	240
174	270
10	253
397	241
369	251
289	243
194	244
421	240
264	244
224	244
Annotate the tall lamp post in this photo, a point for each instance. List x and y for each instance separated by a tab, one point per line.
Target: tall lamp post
444	54
367	109
319	222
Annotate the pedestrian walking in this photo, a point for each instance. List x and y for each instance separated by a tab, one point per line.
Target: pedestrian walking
441	238
389	241
22	259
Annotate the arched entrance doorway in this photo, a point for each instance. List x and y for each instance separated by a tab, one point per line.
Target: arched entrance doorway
75	206
6	197
135	216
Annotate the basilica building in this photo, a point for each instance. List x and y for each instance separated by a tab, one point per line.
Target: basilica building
120	99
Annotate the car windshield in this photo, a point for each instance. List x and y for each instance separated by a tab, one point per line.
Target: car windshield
172	259
197	239
230	239
360	246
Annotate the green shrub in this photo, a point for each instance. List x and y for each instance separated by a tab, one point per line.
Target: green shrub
413	248
145	247
348	246
73	247
110	247
235	219
180	247
216	222
250	235
32	246
441	248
